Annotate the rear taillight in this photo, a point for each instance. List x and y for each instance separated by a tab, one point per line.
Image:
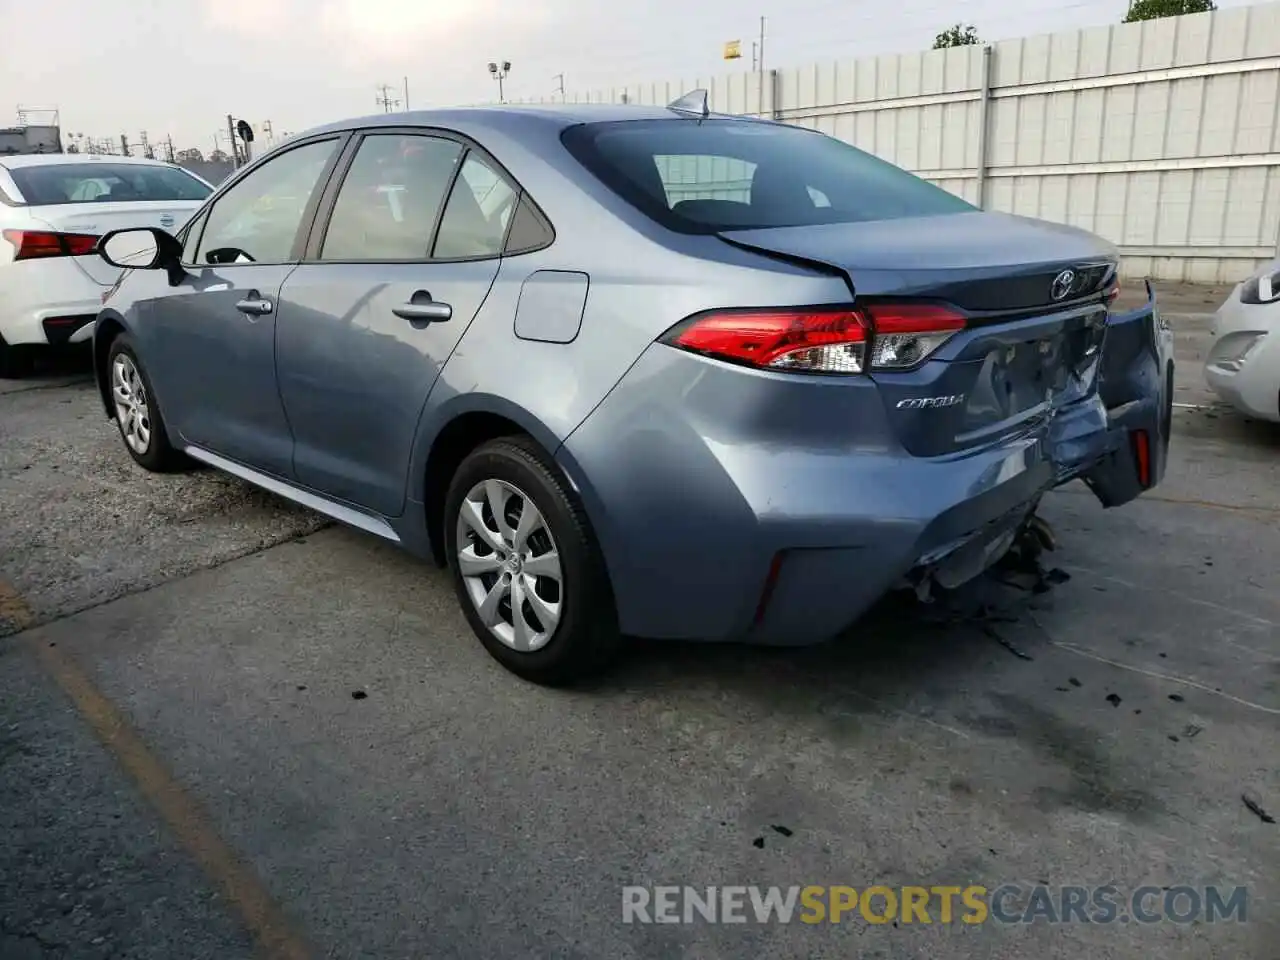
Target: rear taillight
815	340
38	244
906	333
837	340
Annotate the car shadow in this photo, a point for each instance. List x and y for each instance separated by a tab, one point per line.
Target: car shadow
52	367
900	650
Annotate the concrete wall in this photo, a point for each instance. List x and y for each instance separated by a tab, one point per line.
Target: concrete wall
1160	136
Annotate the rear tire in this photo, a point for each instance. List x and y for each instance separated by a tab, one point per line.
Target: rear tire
137	413
537	549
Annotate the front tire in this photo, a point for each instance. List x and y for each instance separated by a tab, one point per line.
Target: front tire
526	566
138	415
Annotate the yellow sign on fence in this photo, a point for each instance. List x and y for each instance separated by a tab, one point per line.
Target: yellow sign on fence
733	50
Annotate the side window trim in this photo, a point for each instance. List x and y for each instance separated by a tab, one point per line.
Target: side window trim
327	198
297	248
444	206
515	209
195	226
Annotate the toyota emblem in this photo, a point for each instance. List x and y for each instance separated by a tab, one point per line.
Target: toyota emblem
1062	284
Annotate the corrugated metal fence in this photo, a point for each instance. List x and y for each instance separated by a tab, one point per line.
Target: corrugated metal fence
1161	136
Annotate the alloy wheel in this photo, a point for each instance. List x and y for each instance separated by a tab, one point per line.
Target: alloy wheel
509	564
130	396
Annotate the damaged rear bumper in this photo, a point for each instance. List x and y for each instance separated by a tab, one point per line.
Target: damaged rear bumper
1118	442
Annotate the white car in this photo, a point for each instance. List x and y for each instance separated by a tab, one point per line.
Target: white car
1243	366
53	208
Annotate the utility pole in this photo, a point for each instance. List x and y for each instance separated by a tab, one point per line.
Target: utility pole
760	74
168	148
269	132
406	93
384	98
231	135
146	146
560	78
755	49
124	144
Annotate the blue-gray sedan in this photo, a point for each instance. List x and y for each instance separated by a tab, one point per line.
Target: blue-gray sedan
634	370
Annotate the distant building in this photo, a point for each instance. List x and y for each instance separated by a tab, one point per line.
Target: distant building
30	138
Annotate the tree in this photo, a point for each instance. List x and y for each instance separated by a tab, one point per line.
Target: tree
1155	9
958	35
72	148
190	155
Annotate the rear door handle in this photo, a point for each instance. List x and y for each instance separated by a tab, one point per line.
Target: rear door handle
422	307
255	304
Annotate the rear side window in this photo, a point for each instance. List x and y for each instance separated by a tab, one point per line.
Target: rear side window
735	175
475	220
105	183
529	230
390	198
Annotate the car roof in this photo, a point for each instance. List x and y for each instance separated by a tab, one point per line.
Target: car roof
50	159
508	117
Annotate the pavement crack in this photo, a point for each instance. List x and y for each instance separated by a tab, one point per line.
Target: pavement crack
35	387
1191	502
1154	674
17	617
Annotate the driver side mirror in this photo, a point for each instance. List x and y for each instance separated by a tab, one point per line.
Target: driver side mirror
141	248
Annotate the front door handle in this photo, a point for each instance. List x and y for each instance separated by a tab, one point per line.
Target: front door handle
422	307
255	304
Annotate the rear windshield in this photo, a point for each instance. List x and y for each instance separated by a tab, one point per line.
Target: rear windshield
104	183
737	175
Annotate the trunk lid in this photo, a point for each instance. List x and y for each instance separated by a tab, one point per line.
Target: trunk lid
99	218
1032	296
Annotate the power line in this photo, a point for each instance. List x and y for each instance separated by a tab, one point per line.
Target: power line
384	98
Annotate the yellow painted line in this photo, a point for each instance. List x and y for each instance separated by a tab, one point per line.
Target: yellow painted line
273	934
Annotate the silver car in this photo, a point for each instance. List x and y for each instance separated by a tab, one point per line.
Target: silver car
634	370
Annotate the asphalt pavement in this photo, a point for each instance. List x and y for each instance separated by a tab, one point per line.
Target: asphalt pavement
231	729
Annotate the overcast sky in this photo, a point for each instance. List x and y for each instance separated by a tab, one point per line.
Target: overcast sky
178	67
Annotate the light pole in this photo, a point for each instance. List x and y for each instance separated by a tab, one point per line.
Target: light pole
499	72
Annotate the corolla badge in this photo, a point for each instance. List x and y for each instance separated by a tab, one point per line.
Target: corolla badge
1062	284
930	403
166	220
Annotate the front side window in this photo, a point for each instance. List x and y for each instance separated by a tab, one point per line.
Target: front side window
390	198
475	220
713	175
56	183
257	219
